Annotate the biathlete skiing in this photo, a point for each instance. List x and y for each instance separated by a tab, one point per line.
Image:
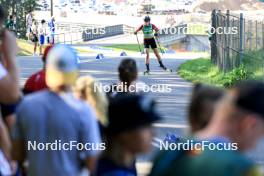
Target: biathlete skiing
150	31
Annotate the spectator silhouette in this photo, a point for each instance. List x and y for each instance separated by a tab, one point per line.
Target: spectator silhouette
88	89
55	116
237	126
128	134
128	75
203	101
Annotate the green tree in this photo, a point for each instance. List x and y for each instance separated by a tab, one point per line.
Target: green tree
20	8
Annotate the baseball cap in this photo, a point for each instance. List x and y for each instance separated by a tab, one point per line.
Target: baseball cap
130	111
250	96
62	66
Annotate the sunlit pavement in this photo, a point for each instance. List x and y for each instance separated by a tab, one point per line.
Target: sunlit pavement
172	106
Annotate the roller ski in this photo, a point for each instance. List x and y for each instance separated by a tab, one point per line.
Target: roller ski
147	72
164	68
167	69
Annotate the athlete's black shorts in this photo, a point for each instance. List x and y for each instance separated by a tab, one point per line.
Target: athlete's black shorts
150	43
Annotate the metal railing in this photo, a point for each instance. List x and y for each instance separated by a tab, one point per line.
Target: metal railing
73	33
238	36
107	31
68	37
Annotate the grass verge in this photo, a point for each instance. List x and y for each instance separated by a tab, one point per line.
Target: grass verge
81	50
128	47
25	48
203	71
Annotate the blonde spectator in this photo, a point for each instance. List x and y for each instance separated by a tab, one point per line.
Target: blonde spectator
88	89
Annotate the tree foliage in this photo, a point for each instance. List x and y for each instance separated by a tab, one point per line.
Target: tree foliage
19	8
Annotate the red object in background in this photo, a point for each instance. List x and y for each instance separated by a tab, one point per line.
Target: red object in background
46	52
36	82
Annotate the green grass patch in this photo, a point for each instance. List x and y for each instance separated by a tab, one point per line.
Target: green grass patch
81	50
128	47
203	71
254	64
25	48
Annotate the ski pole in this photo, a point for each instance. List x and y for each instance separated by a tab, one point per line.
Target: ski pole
138	44
161	50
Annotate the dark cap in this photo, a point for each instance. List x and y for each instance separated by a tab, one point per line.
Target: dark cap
147	19
129	112
251	96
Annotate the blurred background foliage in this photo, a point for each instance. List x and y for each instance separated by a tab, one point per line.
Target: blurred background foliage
19	8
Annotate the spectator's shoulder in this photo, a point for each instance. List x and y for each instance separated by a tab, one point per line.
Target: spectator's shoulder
34	98
33	77
86	114
230	159
154	27
232	156
84	107
80	106
40	72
